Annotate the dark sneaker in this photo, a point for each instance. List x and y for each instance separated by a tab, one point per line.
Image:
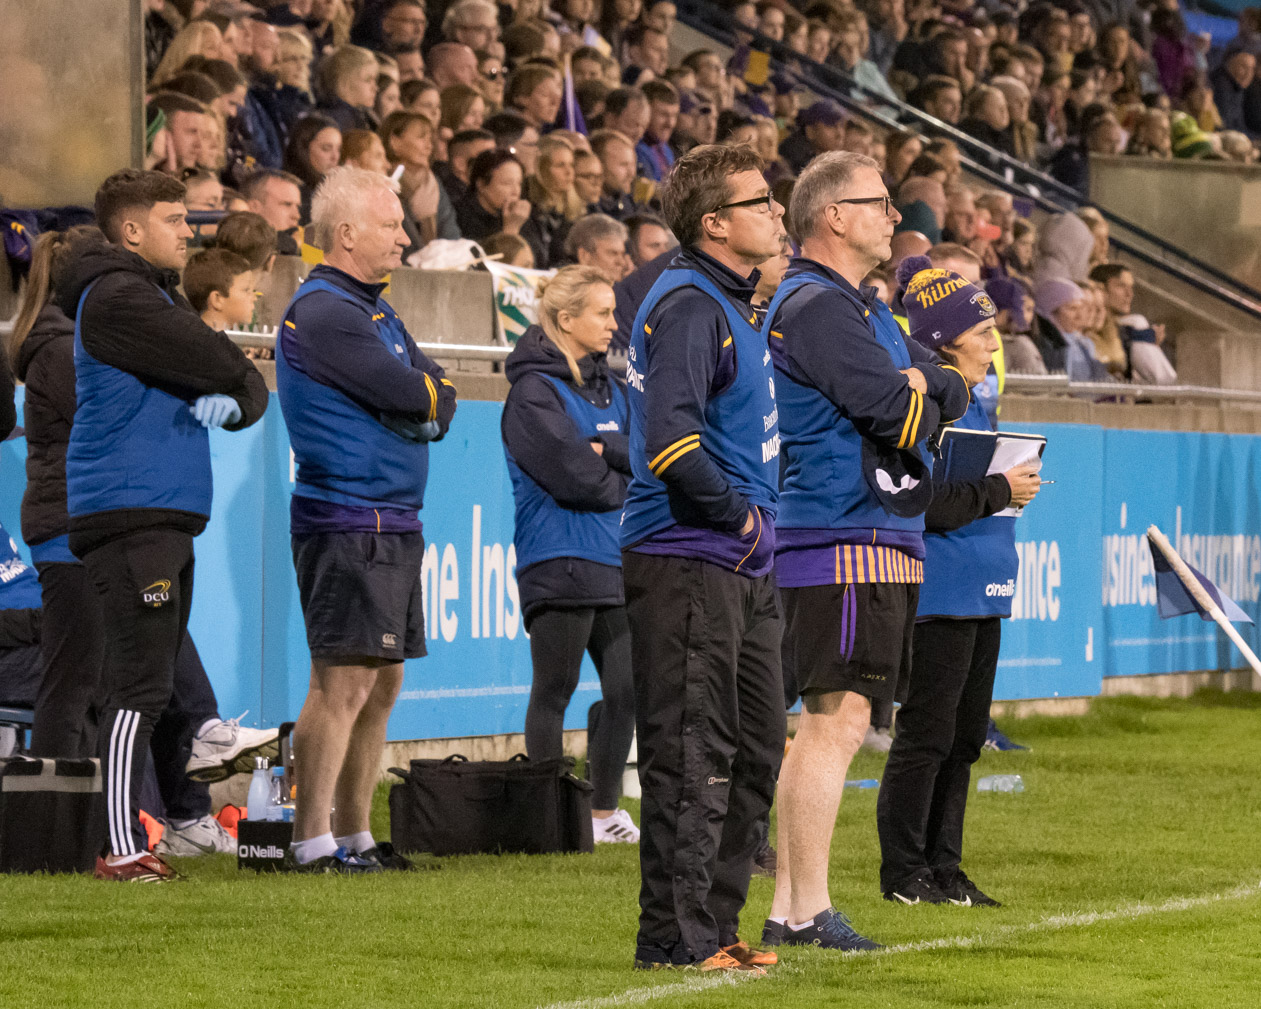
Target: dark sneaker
960	890
996	739
145	869
773	933
921	889
340	862
386	857
747	954
765	861
830	930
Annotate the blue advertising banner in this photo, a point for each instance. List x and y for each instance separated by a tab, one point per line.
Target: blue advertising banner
1084	604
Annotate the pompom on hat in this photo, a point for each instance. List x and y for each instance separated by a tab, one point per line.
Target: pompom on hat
940	304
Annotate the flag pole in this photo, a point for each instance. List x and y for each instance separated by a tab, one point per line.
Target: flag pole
1192	584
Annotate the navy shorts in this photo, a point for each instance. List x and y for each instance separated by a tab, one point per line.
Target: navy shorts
361	594
851	637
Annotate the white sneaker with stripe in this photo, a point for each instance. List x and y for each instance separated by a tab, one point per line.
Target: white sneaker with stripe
616	829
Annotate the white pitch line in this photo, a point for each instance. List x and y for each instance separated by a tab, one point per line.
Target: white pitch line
693	986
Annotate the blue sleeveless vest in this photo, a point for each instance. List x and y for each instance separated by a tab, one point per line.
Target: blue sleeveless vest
741	433
545	529
19	585
971	572
132	446
344	453
823	485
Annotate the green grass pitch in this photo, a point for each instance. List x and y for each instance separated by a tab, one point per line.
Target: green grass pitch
1129	873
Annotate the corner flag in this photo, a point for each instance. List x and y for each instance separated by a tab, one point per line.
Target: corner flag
1173	599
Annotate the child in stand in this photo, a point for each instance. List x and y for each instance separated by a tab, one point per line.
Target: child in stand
220	286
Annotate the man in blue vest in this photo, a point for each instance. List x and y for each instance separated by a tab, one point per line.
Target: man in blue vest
150	380
697	539
857	404
361	402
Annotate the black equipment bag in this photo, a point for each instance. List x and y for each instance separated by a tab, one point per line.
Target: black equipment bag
52	814
461	807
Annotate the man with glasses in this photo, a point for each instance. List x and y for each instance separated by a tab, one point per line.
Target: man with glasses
857	403
403	24
697	546
475	23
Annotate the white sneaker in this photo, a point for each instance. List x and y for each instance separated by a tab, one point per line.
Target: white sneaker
616	829
877	739
201	837
228	748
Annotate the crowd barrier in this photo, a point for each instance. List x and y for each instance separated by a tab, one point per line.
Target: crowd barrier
1084	605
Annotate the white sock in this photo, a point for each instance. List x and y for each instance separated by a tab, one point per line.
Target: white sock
313	848
182	824
778	921
798	928
356	843
126	859
207	725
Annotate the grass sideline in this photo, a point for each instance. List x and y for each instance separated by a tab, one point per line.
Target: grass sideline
1128	809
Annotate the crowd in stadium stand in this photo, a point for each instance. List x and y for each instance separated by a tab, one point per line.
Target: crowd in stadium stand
537	128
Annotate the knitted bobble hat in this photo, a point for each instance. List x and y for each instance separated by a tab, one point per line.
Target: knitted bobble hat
940	304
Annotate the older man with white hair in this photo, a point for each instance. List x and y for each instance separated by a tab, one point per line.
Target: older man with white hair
600	241
361	403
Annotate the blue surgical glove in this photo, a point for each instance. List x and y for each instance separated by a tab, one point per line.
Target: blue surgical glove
429	430
216	410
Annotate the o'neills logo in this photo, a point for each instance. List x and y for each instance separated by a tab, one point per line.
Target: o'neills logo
258	851
157	593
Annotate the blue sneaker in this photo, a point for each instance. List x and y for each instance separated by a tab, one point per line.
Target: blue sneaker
996	740
773	933
340	862
829	930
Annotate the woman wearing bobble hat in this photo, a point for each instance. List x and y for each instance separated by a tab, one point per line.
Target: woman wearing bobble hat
969	549
564	434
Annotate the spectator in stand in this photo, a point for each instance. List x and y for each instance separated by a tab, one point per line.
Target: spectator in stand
1102	134
550	191
314	150
564	434
250	237
698	123
735	129
1151	138
627	111
347	80
1100	233
1065	246
648	55
820	128
1172	52
287	98
514	135
1142	340
492	76
711	77
424	97
535	92
402	24
617	156
408	139
1022	133
1237	147
463	108
276	196
1062	307
859	138
188	128
961	217
986	117
411	65
850	55
1103	333
474	23
462	149
901	150
939	96
494	202
329	23
513	250
363	149
1230	83
197	38
599	241
1015	312
452	63
654	151
1019	256
927	167
922	204
819	42
648	238
588	179
616	18
586	64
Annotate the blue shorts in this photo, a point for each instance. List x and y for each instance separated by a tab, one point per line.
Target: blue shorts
361	594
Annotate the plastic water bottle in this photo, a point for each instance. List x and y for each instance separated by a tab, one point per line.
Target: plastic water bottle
260	791
1001	783
276	797
863	783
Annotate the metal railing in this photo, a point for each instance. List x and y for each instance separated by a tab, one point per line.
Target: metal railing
995	167
264	338
1059	385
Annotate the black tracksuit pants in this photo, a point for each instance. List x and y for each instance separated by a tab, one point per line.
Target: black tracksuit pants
558	640
145	583
709	713
941	729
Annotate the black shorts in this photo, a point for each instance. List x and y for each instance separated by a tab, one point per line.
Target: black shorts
851	637
361	594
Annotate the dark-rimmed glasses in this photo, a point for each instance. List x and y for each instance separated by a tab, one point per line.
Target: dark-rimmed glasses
756	201
886	200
